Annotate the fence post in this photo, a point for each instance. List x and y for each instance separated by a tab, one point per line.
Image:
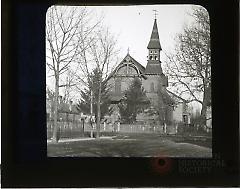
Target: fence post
165	128
104	126
176	128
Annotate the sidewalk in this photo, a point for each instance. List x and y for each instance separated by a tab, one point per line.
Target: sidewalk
79	139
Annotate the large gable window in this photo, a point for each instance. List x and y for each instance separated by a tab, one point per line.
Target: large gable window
132	70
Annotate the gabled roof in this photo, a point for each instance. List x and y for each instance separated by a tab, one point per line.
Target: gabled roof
140	66
136	63
75	109
167	99
67	108
63	107
154	42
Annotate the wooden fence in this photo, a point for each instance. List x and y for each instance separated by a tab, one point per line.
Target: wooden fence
76	129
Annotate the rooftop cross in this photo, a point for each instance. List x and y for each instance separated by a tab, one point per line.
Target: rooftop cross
155	13
128	50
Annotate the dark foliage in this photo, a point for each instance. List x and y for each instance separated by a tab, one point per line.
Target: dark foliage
84	103
134	102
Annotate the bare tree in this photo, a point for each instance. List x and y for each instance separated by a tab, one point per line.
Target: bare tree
68	86
101	56
63	26
189	68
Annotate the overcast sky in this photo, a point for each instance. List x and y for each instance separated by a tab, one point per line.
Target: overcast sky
133	26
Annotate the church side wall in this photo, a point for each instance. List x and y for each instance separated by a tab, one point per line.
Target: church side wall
153	82
151	79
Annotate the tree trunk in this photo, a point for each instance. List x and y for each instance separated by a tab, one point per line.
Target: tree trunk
204	108
91	112
203	113
83	124
99	110
206	100
55	116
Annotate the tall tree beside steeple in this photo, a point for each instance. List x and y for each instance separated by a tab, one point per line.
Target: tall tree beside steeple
189	66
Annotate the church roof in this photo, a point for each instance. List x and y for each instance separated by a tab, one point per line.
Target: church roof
154	42
139	66
136	63
167	99
153	68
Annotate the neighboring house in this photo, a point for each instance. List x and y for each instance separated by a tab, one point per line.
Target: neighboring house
180	110
153	81
66	111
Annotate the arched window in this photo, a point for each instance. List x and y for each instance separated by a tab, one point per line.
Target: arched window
132	70
152	87
156	58
150	58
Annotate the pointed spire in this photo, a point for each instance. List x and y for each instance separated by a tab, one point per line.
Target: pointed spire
154	42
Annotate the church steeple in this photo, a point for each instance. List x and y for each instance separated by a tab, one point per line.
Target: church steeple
154	42
154	48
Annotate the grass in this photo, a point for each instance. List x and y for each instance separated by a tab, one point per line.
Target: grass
129	145
204	141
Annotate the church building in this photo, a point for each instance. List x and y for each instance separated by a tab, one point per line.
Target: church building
154	82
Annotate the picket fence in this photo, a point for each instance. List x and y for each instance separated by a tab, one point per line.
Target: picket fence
76	128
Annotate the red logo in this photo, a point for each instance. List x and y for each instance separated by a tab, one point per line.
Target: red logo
162	164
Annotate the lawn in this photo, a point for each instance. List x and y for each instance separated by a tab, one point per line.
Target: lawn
129	145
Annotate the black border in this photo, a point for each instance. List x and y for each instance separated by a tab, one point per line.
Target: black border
24	159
